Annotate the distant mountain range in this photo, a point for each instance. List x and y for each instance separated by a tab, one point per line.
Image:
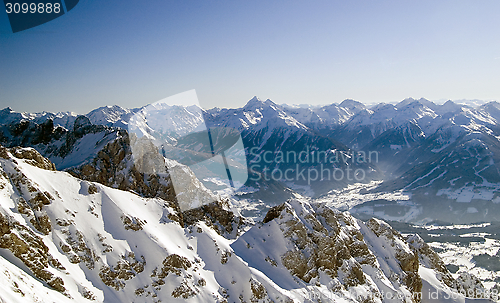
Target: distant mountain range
81	221
439	152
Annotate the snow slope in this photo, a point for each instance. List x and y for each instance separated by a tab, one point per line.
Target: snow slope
92	242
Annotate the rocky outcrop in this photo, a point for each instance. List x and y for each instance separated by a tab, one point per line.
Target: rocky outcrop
324	247
30	249
115	166
125	269
54	142
470	286
273	213
466	283
407	258
99	242
29	133
321	247
31	200
32	157
316	244
430	259
112	164
218	216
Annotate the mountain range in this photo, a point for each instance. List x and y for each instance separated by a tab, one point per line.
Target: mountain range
447	152
81	221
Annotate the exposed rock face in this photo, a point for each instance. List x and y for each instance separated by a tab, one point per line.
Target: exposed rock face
469	285
111	163
114	166
125	269
217	216
29	133
430	259
273	213
81	236
64	147
407	258
321	247
23	242
33	157
466	283
258	291
31	200
132	223
30	249
81	123
328	247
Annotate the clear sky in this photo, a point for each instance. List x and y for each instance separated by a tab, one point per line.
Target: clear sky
132	53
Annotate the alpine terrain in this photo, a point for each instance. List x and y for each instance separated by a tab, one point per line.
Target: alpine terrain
343	203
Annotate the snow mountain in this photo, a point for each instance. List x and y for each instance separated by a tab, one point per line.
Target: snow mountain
108	229
428	151
276	142
66	148
69	240
114	116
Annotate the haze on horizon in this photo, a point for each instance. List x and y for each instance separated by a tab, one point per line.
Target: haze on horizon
473	103
321	52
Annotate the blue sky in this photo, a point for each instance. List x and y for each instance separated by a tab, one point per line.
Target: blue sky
132	53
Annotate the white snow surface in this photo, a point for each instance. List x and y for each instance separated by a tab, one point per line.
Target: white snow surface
218	268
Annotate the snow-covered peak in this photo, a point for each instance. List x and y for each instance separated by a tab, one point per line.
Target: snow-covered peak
255	99
405	102
64	119
352	104
111	116
494	104
302	105
256	115
449	107
491	109
324	116
384	116
256	103
166	122
8	116
416	102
